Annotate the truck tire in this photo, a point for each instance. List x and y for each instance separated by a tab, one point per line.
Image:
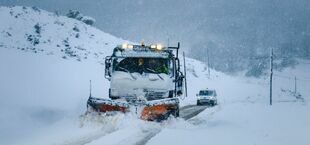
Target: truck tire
177	113
198	103
212	103
110	94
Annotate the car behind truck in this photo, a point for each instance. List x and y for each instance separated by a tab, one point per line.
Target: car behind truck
207	97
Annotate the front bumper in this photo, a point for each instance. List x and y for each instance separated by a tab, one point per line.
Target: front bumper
206	100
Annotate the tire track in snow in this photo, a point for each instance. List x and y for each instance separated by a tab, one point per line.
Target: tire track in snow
191	111
210	112
186	112
110	126
141	137
87	138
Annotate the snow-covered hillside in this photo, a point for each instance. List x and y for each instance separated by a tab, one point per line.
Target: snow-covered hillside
46	64
44	87
34	30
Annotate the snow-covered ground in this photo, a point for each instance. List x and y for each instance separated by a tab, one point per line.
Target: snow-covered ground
45	76
244	115
34	30
43	93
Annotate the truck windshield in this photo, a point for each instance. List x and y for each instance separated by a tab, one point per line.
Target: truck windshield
206	93
142	65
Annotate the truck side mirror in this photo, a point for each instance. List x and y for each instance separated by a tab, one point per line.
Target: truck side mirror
179	84
108	64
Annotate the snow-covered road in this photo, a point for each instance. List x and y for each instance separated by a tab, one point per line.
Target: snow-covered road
189	111
186	112
139	136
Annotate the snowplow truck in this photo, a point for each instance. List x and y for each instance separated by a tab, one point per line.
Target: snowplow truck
144	79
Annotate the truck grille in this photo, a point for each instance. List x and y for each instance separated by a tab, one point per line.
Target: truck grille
151	95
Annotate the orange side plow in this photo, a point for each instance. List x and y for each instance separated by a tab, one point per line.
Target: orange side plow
159	112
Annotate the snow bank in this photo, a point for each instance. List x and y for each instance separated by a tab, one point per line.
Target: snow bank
243	115
46	63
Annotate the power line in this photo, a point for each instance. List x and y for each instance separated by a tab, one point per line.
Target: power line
282	76
292	78
303	62
291	74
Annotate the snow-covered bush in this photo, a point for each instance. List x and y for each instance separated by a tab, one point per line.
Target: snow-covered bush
88	20
256	68
74	14
77	15
37	28
35	9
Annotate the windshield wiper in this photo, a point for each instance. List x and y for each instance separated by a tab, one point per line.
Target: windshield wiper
153	71
126	70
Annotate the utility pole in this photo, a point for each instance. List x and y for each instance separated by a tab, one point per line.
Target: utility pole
185	73
295	90
208	62
90	87
271	73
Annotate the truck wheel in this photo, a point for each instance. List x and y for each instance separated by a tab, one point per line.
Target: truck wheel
198	102
212	103
174	113
110	94
177	113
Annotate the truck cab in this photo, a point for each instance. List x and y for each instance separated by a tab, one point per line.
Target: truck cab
139	72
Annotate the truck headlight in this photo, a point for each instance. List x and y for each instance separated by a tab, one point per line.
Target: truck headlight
153	46
127	46
124	46
130	46
157	46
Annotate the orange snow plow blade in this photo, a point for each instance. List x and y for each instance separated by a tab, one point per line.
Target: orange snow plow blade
159	112
105	105
109	108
